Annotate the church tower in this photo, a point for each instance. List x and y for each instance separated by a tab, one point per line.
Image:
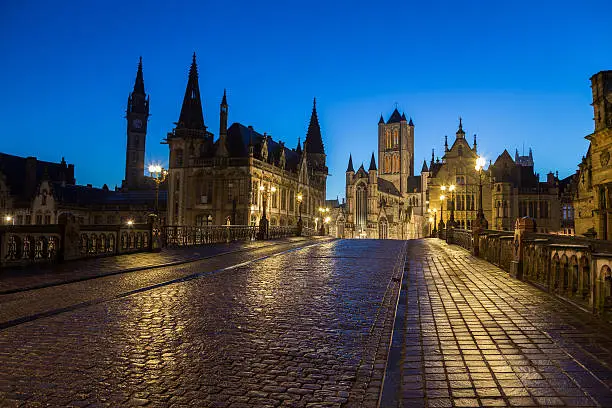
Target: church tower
396	150
137	115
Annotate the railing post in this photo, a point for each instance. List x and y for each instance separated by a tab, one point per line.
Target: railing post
521	227
70	239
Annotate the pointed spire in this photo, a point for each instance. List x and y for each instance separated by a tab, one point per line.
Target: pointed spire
410	123
460	133
445	143
299	146
372	163
403	117
350	164
224	100
395	117
381	121
475	144
139	83
313	137
432	159
191	112
424	169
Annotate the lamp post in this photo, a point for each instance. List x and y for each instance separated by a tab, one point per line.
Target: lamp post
442	197
451	221
263	223
480	218
159	175
324	219
9	220
300	223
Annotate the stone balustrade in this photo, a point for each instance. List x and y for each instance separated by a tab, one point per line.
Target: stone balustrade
578	269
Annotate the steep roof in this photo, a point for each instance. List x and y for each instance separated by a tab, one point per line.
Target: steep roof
15	169
239	137
395	117
314	141
372	163
350	164
424	169
191	116
387	187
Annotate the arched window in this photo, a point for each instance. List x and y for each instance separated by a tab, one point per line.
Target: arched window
361	207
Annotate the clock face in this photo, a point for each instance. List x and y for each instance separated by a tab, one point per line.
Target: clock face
137	123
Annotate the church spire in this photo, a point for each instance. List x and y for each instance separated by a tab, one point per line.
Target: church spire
313	137
372	163
432	159
445	143
460	133
139	83
350	164
475	149
222	143
191	112
299	146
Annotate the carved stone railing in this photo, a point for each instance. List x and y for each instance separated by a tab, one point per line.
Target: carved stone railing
175	236
28	244
460	237
578	269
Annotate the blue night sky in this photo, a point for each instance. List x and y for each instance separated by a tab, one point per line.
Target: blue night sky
517	72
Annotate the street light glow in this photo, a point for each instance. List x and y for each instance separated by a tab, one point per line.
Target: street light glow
442	197
452	187
130	222
480	163
443	188
273	189
300	197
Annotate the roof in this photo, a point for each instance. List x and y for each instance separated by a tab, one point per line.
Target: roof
314	141
372	163
239	137
424	169
15	169
350	164
191	116
335	203
388	187
91	196
395	117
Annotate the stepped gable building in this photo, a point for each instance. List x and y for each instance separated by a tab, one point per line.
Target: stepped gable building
387	202
593	197
213	181
457	167
518	192
36	192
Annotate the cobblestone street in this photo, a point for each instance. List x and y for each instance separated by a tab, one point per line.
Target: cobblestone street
472	336
298	327
306	324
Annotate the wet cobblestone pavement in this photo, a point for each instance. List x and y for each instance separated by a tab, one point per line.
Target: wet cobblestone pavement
299	328
17	279
472	336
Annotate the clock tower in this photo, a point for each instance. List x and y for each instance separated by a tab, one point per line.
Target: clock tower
137	115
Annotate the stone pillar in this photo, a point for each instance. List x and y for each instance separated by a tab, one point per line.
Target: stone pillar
155	243
71	238
521	227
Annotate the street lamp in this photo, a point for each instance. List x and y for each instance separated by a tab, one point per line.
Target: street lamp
300	224
442	197
481	222
159	175
323	211
263	223
433	211
130	223
9	220
451	221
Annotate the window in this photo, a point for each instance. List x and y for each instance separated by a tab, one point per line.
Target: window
38	219
178	158
28	219
44	197
133	157
274	199
291	200
283	198
19	219
47	219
